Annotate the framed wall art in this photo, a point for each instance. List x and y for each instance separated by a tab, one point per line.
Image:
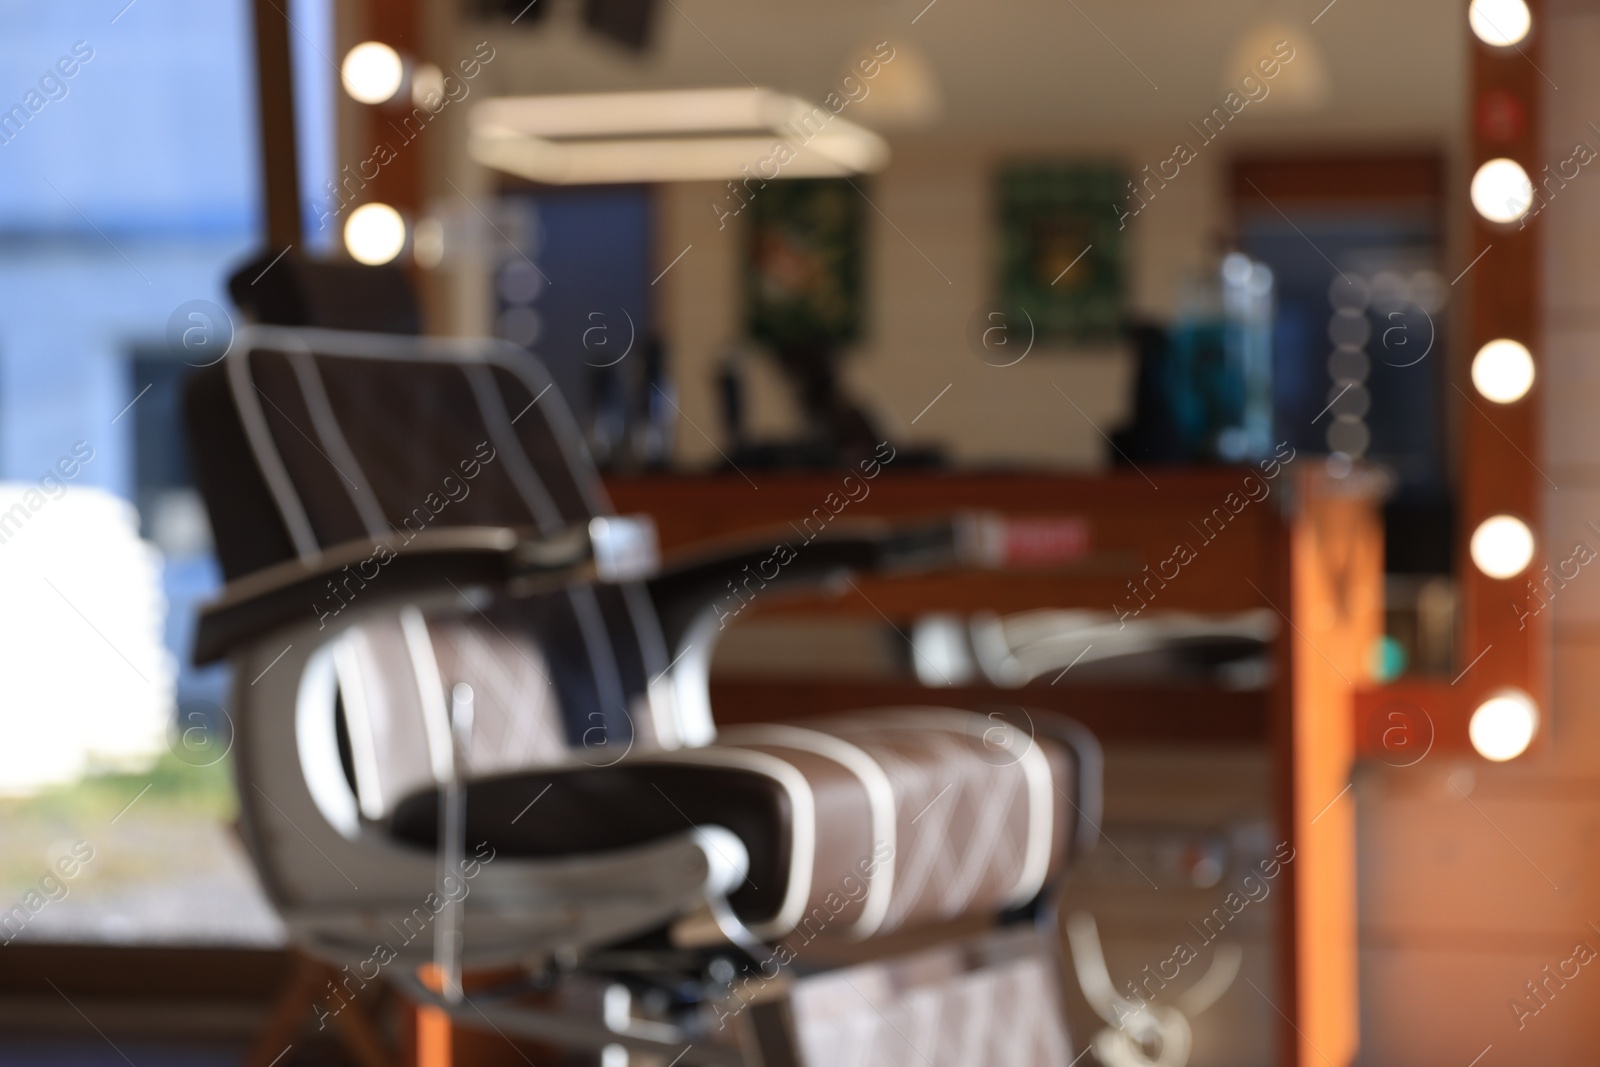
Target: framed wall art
1061	248
803	276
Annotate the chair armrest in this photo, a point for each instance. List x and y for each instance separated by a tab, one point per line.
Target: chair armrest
633	802
693	583
519	560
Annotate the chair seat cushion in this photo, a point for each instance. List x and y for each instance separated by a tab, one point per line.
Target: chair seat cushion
855	825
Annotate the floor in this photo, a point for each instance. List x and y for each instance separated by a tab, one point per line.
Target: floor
98	1053
130	1052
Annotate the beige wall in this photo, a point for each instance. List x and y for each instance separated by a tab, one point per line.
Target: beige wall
931	251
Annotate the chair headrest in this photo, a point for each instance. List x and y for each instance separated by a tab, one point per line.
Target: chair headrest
289	289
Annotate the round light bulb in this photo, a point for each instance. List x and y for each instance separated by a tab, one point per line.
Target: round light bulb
374	234
1501	191
1499	22
1504	725
1503	371
1502	546
372	72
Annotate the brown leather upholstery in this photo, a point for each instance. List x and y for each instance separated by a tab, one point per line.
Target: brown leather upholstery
946	822
994	1003
583	810
855	826
304	441
391	675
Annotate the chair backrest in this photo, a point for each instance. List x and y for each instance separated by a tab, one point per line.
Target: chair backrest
304	439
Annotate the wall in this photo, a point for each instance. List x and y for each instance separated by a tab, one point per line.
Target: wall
932	244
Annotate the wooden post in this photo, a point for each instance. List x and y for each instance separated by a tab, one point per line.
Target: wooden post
280	158
430	1039
1333	576
428	1029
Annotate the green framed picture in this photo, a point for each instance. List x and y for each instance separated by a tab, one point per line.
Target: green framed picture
803	263
1061	254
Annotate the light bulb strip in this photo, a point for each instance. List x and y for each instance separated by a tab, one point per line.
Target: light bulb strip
1502	487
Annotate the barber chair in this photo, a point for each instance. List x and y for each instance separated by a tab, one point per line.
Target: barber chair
473	736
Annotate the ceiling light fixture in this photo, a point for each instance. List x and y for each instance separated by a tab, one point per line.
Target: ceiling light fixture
670	135
904	94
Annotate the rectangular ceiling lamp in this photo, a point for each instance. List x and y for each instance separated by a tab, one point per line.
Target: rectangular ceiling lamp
667	136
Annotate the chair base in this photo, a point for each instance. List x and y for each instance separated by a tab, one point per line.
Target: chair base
357	1033
994	999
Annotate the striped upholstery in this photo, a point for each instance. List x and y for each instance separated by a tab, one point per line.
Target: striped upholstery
316	438
933	1009
398	744
856	826
918	820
